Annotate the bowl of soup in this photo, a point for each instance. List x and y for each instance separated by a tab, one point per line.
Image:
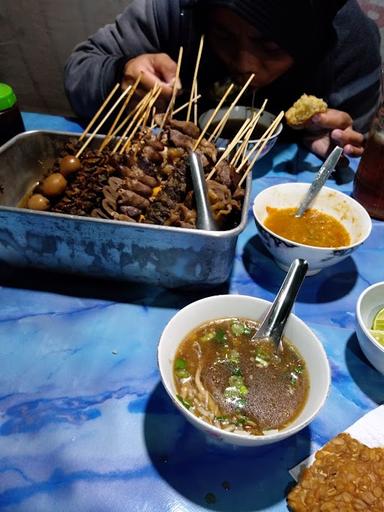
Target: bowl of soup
370	324
235	120
329	231
232	388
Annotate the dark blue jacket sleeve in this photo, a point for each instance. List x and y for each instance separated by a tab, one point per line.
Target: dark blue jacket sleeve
94	67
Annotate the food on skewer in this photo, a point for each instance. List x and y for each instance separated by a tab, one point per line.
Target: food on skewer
150	183
69	164
38	202
145	178
303	109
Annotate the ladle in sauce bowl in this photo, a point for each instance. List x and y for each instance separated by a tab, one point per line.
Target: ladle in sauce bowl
272	326
320	178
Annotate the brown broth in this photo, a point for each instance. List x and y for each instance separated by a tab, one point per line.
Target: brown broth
236	384
313	228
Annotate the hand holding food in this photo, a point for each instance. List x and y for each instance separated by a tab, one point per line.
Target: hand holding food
303	109
154	68
326	127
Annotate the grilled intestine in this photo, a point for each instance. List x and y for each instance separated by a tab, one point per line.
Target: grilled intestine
149	183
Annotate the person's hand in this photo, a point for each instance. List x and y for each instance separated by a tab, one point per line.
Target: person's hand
331	128
154	68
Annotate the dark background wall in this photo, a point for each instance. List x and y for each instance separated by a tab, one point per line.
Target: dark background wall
36	37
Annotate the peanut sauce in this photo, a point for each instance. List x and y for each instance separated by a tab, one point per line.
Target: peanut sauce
313	228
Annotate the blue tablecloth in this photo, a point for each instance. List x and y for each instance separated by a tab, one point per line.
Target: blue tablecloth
85	424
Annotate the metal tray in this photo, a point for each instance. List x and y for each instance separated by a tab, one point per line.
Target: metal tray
168	256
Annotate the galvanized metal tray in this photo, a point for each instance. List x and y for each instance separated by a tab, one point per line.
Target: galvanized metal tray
167	256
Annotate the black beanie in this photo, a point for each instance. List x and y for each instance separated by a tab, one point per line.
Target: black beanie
302	27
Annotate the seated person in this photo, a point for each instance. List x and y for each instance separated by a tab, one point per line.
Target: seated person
326	48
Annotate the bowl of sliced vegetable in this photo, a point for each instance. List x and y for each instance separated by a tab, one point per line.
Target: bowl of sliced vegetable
370	324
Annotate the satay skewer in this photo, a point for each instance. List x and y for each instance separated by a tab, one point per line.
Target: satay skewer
171	103
219	128
141	122
212	116
180	109
111	132
230	146
139	110
266	136
110	111
96	116
241	151
195	106
195	73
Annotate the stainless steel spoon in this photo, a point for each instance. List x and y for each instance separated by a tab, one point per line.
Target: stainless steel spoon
273	324
205	218
320	178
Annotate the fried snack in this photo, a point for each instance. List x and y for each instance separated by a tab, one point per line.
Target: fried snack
303	109
346	476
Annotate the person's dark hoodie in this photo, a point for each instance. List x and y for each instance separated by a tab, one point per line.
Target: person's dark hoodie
336	49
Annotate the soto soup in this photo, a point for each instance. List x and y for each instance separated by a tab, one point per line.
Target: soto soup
237	384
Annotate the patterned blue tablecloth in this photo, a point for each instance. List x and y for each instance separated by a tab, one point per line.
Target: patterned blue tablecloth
85	424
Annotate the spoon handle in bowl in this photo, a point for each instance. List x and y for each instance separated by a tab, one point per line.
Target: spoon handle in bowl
321	177
205	218
274	322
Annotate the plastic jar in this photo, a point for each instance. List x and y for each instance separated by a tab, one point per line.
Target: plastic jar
11	122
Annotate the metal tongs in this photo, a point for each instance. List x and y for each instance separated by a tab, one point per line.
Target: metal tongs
320	178
205	218
272	326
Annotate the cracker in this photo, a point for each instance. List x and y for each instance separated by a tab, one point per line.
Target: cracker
346	476
303	109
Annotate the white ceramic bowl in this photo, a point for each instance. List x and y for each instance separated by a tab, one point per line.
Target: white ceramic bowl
240	114
224	306
349	212
369	303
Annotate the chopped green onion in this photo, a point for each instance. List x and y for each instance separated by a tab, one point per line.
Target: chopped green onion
239	328
180	363
186	404
261	361
182	373
220	336
208	336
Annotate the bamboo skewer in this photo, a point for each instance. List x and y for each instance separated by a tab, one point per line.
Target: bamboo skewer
155	93
153	122
271	130
181	108
185	105
219	128
261	141
230	147
111	132
128	118
122	96
200	51
195	107
138	110
171	103
241	151
108	136
96	116
213	115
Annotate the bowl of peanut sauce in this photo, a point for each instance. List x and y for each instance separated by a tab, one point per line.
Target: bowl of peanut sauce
330	230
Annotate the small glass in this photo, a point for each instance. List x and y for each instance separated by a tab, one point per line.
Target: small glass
368	187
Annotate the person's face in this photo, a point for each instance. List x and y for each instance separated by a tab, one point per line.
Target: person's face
244	51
